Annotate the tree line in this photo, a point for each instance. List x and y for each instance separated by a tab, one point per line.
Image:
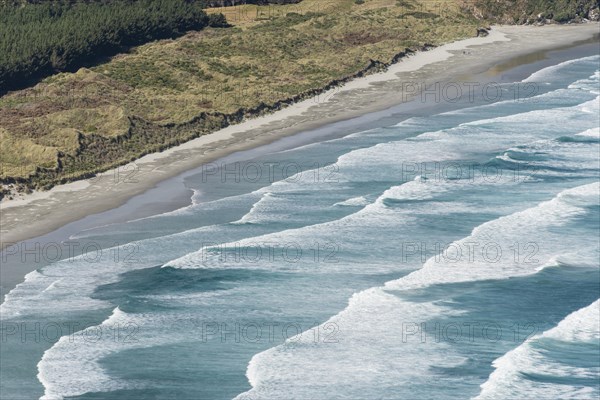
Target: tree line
39	38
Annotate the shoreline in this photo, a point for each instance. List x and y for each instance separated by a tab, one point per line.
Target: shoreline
37	214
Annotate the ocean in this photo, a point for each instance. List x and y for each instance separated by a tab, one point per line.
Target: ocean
439	256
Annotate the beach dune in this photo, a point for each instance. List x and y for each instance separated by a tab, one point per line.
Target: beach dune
505	47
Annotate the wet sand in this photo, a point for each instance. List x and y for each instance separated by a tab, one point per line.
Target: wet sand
504	49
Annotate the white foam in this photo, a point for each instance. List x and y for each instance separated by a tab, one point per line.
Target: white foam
373	354
346	359
257	207
592	106
594	132
509	378
71	368
404	159
557	157
73	365
67	286
545	75
356	229
533	229
591	84
355	201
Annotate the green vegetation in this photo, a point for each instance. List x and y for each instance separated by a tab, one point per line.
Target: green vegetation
73	125
39	39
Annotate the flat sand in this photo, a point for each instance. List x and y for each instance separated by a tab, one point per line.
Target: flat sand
43	212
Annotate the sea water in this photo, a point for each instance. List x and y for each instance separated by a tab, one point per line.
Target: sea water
452	255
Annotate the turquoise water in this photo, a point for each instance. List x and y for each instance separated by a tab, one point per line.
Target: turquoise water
452	255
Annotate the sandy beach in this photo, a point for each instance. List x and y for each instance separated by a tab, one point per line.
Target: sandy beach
43	212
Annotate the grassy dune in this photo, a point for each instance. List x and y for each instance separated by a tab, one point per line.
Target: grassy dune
73	125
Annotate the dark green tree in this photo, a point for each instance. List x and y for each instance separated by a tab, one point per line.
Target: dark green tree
39	38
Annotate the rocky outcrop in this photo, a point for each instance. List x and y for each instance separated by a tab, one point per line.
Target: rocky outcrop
483	32
539	12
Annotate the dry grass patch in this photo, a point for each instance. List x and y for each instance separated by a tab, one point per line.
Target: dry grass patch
273	53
